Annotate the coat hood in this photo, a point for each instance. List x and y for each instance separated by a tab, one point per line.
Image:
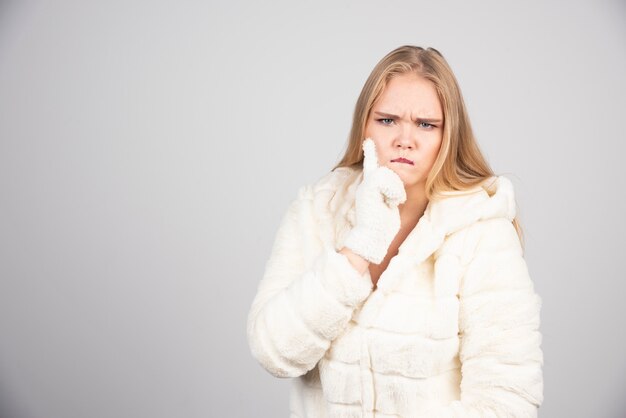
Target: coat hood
492	198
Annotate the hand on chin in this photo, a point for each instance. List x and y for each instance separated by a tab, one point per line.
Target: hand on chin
394	167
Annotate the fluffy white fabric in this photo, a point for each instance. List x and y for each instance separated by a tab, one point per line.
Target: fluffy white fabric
452	329
376	206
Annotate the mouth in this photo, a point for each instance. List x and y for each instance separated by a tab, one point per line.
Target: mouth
402	160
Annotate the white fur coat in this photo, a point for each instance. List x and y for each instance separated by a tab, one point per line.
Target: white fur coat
452	329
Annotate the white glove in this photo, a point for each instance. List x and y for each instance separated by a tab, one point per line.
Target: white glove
376	208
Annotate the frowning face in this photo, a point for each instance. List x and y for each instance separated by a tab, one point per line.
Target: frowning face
406	124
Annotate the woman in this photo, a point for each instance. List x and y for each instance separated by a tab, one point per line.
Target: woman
396	285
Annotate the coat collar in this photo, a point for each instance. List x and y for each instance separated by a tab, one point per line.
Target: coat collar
492	198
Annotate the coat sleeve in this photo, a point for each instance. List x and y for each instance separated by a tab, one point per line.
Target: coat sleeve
500	341
300	306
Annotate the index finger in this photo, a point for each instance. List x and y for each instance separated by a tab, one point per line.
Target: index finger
370	159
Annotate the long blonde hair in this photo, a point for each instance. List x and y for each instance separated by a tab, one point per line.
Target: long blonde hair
460	164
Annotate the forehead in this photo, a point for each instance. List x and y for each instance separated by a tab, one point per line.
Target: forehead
410	93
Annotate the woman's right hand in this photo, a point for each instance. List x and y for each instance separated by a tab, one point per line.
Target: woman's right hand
376	208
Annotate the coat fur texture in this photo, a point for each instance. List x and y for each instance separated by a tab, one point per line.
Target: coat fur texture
452	329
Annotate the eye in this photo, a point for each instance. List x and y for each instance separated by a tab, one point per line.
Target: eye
384	121
426	123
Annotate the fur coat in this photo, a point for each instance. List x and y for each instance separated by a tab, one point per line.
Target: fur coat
451	330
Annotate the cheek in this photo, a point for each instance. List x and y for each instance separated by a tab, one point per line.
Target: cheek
380	136
377	135
370	131
434	151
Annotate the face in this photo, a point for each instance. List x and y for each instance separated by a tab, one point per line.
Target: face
407	122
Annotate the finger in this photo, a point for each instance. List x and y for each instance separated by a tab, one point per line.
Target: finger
392	187
370	159
395	201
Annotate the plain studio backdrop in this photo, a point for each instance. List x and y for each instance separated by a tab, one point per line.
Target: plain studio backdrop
148	150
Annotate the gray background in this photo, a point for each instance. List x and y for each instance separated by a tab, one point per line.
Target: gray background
148	150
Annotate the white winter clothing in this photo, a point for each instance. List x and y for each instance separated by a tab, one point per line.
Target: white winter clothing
376	208
452	329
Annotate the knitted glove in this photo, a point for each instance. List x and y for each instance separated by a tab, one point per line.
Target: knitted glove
376	208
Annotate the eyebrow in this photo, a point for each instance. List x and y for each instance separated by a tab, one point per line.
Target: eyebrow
390	116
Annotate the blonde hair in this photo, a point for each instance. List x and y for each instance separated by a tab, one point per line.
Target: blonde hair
460	165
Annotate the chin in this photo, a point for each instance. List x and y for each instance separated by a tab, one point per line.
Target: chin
410	181
403	174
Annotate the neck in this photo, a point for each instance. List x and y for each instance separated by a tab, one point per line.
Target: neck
414	206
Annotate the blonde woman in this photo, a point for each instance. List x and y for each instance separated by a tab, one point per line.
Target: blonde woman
396	285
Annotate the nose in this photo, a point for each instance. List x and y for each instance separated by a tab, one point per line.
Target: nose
405	139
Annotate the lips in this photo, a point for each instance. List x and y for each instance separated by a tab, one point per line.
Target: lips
402	160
